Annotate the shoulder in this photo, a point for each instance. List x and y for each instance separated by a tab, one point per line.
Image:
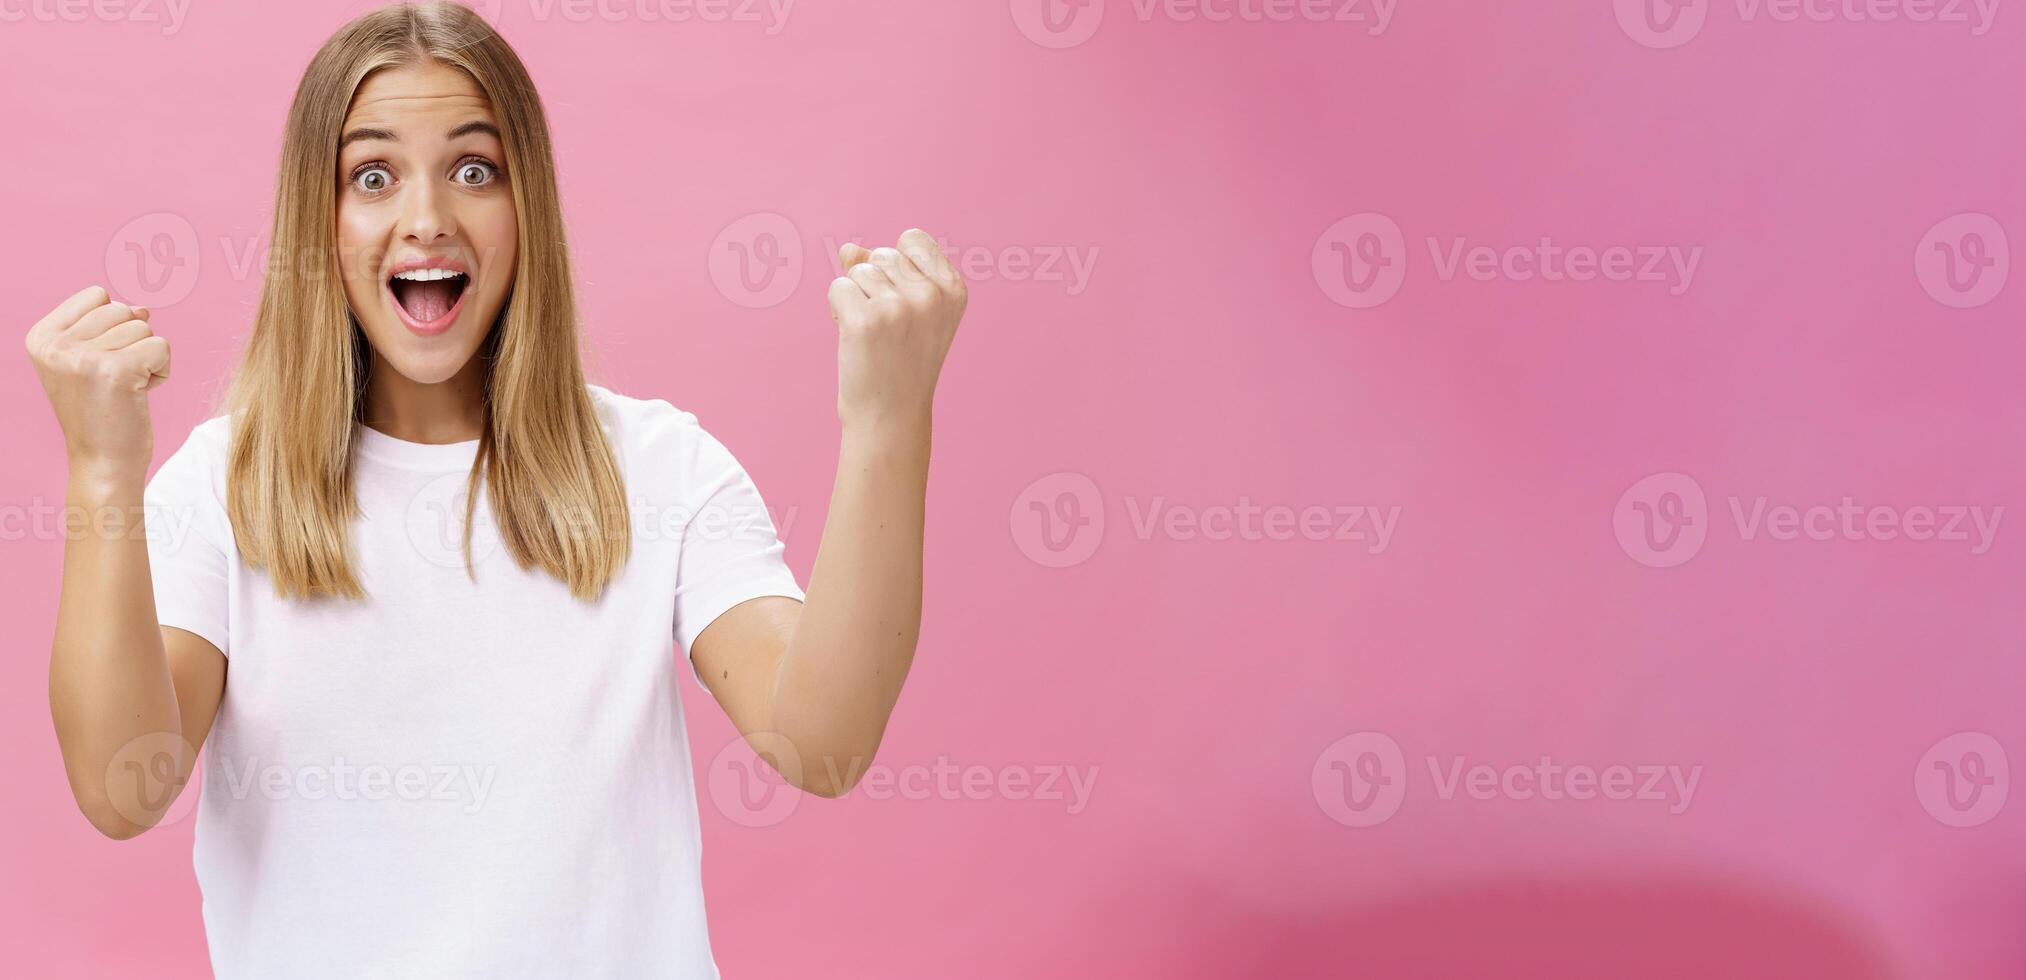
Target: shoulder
214	433
207	447
197	468
650	435
643	423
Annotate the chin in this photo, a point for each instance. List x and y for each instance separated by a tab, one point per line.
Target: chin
424	360
428	366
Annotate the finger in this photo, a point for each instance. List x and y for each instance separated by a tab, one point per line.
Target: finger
850	254
121	336
66	313
927	254
871	278
99	321
846	299
899	268
144	360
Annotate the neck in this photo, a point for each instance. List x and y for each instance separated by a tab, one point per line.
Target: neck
451	410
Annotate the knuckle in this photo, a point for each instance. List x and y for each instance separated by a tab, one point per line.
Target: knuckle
104	369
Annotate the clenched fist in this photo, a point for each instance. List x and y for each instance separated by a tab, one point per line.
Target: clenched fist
98	359
897	311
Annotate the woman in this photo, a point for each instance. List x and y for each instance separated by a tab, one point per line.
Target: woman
429	547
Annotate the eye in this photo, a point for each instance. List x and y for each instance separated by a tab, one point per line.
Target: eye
372	179
476	173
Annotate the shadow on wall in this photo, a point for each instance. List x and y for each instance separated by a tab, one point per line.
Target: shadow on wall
1568	929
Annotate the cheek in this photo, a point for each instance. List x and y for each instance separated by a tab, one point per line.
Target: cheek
361	246
495	234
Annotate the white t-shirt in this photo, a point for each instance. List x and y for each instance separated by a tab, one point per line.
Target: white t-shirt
460	778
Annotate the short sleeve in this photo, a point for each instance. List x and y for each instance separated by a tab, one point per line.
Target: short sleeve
730	551
189	536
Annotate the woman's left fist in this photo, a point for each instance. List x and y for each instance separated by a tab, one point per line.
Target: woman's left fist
897	311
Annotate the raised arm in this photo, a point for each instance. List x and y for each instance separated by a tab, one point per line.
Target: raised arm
812	685
131	700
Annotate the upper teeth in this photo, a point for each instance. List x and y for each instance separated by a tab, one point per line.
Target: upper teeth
427	275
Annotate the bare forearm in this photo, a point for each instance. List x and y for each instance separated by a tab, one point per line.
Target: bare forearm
855	638
109	678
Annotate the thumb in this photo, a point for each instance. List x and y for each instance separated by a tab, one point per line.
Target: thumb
850	254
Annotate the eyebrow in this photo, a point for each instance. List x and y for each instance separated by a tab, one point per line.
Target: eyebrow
476	126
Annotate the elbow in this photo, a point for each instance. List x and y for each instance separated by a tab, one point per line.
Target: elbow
111	817
830	788
833	775
121	830
825	790
110	824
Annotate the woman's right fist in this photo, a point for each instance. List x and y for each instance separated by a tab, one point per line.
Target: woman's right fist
98	360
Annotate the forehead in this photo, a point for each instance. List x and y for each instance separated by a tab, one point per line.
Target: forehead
429	90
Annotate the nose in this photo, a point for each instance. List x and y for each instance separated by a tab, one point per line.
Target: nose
425	214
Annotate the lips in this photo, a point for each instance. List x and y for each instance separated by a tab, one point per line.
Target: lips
428	294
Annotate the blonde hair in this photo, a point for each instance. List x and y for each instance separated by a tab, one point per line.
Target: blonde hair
556	493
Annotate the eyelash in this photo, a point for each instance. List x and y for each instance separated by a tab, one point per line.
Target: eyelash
371	165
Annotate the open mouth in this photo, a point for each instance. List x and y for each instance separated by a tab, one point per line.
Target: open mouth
429	298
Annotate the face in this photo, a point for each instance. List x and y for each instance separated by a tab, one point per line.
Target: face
426	222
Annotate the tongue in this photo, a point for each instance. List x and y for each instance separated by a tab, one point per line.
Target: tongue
428	301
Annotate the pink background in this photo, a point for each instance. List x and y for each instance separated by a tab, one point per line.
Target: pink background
1218	686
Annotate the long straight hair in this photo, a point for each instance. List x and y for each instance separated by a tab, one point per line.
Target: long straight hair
556	492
